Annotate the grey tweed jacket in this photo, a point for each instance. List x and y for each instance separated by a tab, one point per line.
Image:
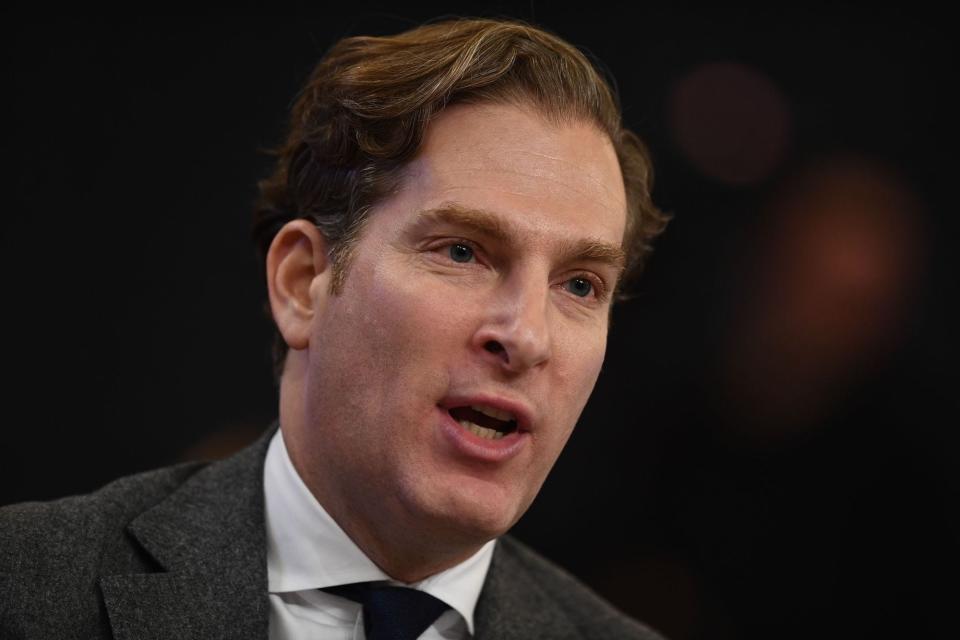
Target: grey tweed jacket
181	553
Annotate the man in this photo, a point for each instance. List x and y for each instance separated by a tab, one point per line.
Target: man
449	220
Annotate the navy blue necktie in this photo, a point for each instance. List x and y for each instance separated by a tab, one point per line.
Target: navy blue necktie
392	613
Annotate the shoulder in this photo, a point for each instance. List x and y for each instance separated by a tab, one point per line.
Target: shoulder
71	535
593	616
53	553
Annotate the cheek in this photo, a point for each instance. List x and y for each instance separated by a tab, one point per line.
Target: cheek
404	336
579	358
581	351
421	313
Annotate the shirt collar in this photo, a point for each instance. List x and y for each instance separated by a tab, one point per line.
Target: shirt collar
307	549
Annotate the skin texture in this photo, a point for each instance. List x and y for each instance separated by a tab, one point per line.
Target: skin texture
369	366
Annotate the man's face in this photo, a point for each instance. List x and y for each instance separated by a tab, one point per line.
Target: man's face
483	282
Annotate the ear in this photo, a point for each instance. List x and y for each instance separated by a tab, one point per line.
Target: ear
298	280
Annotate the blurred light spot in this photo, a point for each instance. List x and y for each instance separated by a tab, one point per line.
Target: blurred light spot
829	286
731	122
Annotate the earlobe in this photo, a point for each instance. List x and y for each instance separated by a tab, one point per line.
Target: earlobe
298	280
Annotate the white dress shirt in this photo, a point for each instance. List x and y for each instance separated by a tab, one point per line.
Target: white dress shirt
308	551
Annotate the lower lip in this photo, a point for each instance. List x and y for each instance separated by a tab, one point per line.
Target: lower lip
472	446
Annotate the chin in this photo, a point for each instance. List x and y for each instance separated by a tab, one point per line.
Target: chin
472	514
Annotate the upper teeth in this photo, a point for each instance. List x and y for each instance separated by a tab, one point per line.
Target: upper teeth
497	414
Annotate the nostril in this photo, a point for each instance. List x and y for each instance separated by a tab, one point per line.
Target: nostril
494	347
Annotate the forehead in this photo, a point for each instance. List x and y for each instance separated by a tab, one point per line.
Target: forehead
546	178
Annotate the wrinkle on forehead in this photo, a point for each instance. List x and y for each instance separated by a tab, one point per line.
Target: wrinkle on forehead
526	160
589	171
534	183
524	173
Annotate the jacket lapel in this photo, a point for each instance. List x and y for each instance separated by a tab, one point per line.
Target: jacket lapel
514	606
209	539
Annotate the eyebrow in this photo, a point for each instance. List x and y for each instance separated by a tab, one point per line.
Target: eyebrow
476	220
595	251
497	228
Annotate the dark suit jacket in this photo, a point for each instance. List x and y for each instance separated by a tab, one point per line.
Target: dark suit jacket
181	553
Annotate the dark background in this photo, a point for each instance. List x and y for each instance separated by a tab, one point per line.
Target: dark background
771	451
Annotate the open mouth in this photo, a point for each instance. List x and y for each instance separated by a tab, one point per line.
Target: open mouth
486	422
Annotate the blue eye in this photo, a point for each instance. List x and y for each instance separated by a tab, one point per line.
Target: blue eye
580	287
461	253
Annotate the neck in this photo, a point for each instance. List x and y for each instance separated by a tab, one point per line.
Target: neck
404	559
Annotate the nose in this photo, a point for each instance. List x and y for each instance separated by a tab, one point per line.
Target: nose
515	334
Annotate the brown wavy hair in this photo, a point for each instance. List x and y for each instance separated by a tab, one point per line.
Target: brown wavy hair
362	114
